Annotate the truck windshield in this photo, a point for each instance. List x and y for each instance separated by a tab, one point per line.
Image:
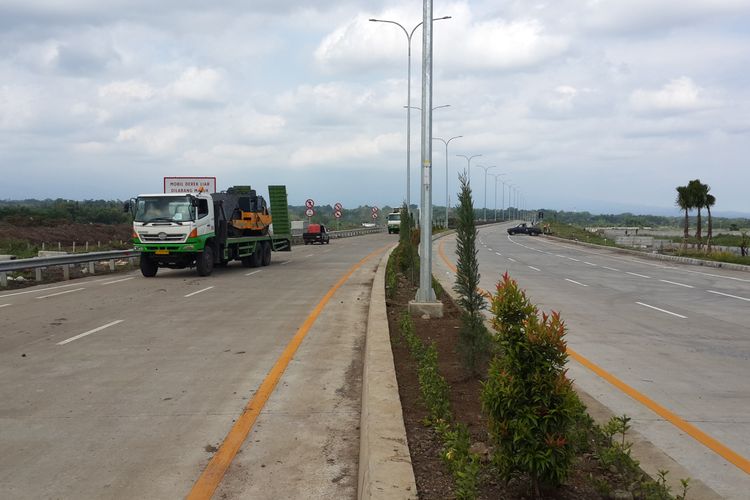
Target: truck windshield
168	209
394	216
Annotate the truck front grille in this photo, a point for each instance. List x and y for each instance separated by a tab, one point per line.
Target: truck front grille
156	238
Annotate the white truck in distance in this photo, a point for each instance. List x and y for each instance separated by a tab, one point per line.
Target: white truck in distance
394	221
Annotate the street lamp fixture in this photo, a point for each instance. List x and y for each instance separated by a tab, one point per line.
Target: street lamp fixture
409	35
468	162
446	171
486	169
497	177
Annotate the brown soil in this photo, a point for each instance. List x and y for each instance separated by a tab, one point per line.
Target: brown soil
66	234
433	478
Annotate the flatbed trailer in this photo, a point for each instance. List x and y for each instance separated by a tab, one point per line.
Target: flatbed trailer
200	231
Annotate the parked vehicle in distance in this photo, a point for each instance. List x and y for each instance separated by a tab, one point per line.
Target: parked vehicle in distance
316	233
394	221
524	228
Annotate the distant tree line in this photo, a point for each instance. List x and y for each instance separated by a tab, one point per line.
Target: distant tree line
587	219
60	211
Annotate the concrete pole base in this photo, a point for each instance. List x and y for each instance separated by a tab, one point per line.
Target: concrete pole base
432	309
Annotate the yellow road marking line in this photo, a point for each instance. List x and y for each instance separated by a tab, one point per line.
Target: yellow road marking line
217	467
720	449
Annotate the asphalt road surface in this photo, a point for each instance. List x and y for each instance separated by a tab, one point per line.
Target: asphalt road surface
677	334
126	387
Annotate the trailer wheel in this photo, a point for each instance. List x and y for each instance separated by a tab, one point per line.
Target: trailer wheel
205	262
149	267
266	253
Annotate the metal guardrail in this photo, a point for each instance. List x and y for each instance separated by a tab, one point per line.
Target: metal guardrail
65	261
356	232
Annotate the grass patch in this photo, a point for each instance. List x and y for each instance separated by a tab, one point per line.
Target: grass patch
576	233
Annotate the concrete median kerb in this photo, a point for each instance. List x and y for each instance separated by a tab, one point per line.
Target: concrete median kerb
385	469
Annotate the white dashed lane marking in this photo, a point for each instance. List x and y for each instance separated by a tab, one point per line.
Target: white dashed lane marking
199	291
661	310
577	283
60	293
728	295
678	284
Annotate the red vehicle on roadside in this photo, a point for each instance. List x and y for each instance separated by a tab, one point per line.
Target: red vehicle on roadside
316	233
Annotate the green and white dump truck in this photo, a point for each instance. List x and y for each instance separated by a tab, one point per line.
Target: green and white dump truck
203	230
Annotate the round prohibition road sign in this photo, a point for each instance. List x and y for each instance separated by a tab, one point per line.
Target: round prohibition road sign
337	214
374	215
309	212
338	206
309	203
375	210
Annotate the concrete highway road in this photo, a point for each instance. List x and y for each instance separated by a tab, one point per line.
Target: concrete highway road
677	334
125	387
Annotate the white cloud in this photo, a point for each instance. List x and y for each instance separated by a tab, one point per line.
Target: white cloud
128	90
460	43
160	140
680	95
198	85
340	151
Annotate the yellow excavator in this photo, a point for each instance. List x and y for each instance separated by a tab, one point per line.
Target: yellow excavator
246	212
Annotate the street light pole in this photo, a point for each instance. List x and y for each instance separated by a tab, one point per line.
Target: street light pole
409	35
497	178
446	172
486	169
468	162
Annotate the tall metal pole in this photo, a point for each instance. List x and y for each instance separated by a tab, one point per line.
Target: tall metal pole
408	100
468	164
502	207
486	169
497	178
446	173
425	292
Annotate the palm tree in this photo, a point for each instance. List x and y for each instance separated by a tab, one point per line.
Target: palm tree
683	201
697	192
710	201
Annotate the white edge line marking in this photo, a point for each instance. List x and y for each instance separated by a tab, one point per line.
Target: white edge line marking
285	262
589	263
512	260
71	339
577	283
662	310
574	260
678	284
639	275
199	291
535	269
728	295
60	293
40	290
4	305
611	269
254	272
118	281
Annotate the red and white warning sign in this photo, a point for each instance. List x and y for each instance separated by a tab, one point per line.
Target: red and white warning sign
337	214
309	212
309	203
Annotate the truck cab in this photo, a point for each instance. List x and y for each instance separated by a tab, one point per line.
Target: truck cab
394	222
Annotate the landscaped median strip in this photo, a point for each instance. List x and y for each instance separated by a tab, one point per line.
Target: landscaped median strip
717	447
217	467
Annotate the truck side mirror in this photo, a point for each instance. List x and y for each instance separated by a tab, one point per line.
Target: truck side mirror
126	206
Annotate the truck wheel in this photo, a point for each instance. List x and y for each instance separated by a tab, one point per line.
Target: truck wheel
148	266
205	262
266	253
254	259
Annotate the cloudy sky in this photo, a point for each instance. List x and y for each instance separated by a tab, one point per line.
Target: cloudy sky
604	105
